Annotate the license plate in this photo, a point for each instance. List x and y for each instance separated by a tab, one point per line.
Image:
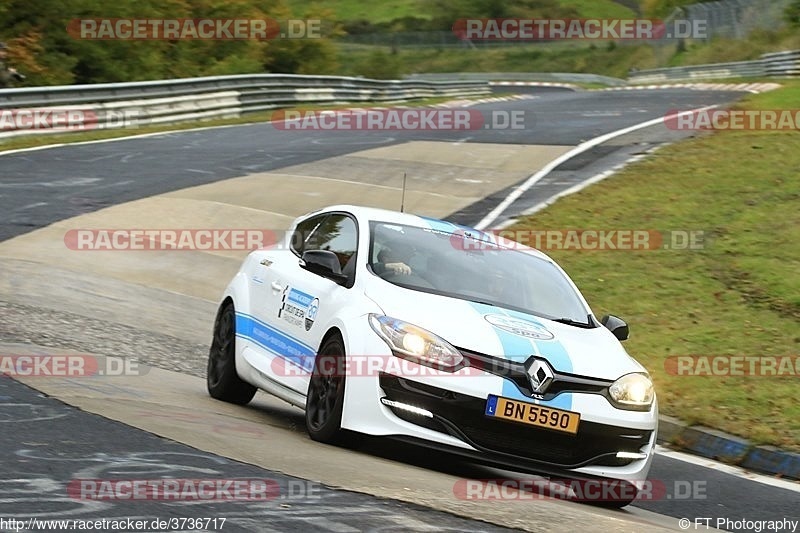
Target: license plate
533	415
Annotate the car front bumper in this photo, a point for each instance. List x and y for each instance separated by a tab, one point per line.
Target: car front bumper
454	420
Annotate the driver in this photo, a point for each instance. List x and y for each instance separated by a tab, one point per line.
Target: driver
394	258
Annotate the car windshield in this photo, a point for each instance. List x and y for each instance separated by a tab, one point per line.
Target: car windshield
456	265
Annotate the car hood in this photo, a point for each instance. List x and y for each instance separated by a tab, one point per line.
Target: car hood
507	334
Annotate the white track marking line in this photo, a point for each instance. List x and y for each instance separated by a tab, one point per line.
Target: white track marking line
125	138
495	213
153	134
729	469
577	187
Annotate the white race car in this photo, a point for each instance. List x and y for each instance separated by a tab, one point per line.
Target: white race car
391	324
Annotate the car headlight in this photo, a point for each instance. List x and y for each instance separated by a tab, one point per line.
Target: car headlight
412	342
633	392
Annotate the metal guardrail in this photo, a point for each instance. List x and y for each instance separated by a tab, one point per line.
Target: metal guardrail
556	77
779	64
109	105
785	64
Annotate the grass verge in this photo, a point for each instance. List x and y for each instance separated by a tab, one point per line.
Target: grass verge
740	295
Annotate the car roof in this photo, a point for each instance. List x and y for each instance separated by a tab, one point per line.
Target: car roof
368	214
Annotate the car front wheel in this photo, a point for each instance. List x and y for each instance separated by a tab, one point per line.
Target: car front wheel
325	398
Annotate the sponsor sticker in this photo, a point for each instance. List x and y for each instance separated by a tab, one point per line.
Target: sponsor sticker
520	327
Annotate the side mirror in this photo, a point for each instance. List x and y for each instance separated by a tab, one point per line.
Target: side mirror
616	325
323	263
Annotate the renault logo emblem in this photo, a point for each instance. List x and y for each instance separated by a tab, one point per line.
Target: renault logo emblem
540	375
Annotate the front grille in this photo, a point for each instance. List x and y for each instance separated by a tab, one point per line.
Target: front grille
515	372
463	417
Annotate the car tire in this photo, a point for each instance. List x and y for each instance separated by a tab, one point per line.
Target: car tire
325	397
222	381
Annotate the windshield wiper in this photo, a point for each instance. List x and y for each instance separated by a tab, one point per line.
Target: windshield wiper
490	304
571	322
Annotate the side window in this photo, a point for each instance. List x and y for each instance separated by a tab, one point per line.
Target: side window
303	231
338	234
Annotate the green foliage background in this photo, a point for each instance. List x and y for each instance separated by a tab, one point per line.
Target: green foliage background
41	47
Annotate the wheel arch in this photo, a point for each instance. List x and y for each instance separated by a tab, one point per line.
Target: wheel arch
238	293
332	331
225	301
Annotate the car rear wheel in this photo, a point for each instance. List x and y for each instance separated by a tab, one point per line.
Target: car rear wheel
325	398
222	381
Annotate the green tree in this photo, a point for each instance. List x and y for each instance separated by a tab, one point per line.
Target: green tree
380	66
45	42
793	14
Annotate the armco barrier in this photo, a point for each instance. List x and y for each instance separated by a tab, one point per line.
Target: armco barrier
782	63
554	77
779	64
221	96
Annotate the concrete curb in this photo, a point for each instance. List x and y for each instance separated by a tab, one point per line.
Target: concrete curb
559	85
721	446
754	88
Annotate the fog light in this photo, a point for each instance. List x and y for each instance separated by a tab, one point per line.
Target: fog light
405	407
631	455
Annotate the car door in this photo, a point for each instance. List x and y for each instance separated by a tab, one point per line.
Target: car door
267	286
308	301
269	335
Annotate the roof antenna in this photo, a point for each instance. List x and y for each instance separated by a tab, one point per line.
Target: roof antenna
403	199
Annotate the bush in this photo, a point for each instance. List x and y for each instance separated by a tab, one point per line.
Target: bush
793	14
381	66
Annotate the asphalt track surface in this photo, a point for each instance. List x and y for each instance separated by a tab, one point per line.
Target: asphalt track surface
40	187
43	452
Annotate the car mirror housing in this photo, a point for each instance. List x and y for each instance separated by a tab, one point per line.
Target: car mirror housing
617	326
323	263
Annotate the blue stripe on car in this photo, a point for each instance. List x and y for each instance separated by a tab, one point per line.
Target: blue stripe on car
518	349
515	348
556	355
274	341
552	349
449	227
439	225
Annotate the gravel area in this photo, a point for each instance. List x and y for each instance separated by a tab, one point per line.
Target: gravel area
71	331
